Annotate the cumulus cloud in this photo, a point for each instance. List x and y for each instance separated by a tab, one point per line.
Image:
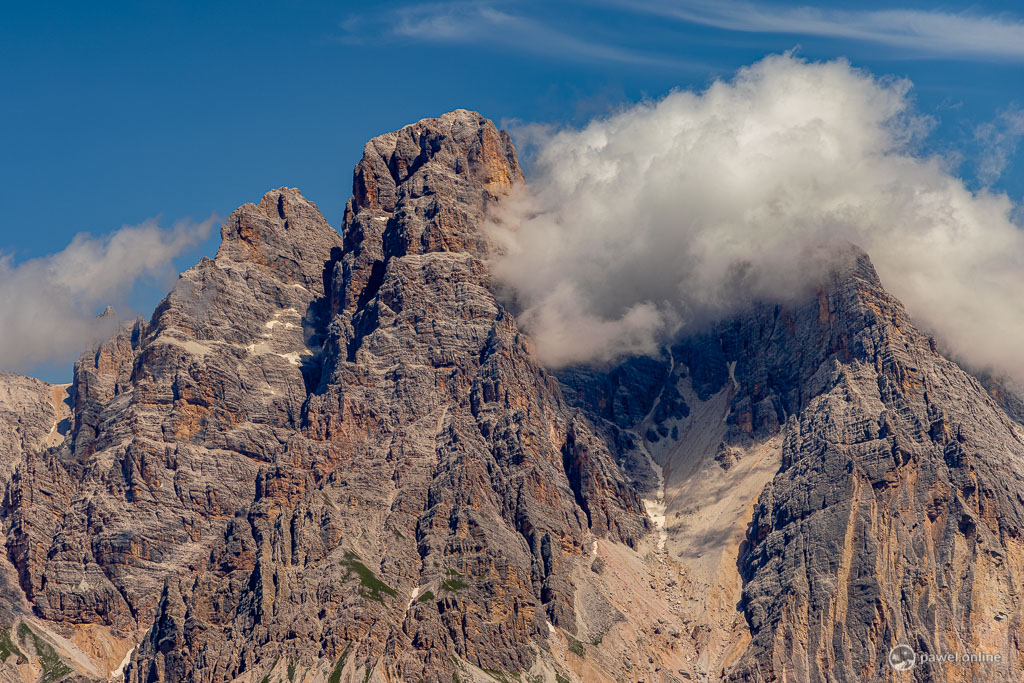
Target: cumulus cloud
49	305
675	212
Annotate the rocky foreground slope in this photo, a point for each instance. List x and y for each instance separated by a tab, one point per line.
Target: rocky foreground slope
333	457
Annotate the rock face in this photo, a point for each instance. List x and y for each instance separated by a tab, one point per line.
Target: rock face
897	514
34	415
333	457
860	491
326	453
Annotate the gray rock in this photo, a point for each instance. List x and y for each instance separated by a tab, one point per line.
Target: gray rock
34	416
897	514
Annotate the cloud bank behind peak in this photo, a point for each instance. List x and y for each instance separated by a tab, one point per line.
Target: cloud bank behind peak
49	305
681	210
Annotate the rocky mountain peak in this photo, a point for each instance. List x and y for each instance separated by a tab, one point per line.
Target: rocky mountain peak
284	232
424	188
460	142
354	418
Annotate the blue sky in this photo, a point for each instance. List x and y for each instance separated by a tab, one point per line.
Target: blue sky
116	113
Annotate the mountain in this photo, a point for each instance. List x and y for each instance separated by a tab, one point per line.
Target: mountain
333	456
839	486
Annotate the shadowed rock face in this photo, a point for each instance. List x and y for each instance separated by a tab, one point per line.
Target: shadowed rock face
333	456
896	512
896	516
34	415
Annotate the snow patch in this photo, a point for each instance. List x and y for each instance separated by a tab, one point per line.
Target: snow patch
655	506
656	511
119	671
294	357
275	321
735	388
412	597
192	347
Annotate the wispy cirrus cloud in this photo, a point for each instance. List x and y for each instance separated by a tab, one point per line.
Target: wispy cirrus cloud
999	140
924	32
494	24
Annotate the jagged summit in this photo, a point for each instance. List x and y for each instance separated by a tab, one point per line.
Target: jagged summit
284	232
460	142
824	468
424	188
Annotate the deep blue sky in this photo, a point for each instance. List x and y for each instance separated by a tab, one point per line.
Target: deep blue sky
113	112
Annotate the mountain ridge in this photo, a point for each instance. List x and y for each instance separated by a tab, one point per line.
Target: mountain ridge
317	430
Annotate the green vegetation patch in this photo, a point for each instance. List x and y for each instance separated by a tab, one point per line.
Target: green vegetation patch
291	670
266	679
559	678
453	585
575	646
335	676
426	597
454	581
54	667
503	676
373	588
7	646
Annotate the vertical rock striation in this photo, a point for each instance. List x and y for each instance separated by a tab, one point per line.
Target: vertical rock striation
896	516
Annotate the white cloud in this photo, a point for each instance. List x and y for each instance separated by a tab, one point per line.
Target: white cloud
933	33
48	305
685	209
